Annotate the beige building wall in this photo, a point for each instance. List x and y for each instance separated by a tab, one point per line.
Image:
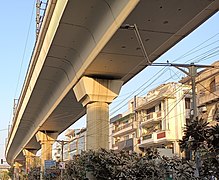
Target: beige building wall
124	129
207	84
74	144
160	117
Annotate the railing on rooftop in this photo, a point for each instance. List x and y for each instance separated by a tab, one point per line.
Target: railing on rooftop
41	6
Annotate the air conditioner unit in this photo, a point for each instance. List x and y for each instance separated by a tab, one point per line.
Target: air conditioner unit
191	112
203	109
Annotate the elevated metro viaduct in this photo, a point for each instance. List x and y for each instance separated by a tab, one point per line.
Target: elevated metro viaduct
85	51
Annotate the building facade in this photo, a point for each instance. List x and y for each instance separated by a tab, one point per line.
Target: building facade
74	144
163	114
124	129
156	120
207	84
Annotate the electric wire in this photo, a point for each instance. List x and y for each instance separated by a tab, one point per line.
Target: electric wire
170	104
209	90
191	51
171	109
25	48
189	54
162	118
182	96
112	113
156	76
199	45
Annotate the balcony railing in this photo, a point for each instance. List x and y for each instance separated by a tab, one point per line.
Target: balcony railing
126	144
125	128
155	137
152	117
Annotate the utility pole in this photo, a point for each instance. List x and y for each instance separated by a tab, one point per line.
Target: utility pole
62	149
192	73
62	142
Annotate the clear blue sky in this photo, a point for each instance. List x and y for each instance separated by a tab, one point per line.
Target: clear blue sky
18	20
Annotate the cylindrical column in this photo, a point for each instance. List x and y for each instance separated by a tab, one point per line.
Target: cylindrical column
17	170
96	95
46	150
46	140
97	125
46	154
29	158
176	148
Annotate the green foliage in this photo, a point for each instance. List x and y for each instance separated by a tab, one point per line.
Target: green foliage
195	134
34	173
105	165
203	140
214	137
75	169
11	172
4	175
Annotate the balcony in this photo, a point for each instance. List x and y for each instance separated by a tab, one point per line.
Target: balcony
156	137
152	118
126	144
207	97
124	129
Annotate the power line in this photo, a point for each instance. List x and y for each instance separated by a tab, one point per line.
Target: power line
25	48
157	74
191	50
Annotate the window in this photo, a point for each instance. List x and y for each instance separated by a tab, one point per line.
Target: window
187	103
151	110
212	86
132	106
160	107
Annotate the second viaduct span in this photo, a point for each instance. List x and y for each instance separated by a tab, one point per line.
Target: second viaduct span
82	57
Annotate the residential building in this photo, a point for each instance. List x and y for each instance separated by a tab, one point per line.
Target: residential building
156	120
207	84
207	90
162	114
124	129
74	144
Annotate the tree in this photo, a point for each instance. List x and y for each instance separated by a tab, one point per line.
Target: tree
203	140
195	134
108	165
11	172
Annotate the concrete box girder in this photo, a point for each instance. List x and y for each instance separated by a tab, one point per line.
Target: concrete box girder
77	40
